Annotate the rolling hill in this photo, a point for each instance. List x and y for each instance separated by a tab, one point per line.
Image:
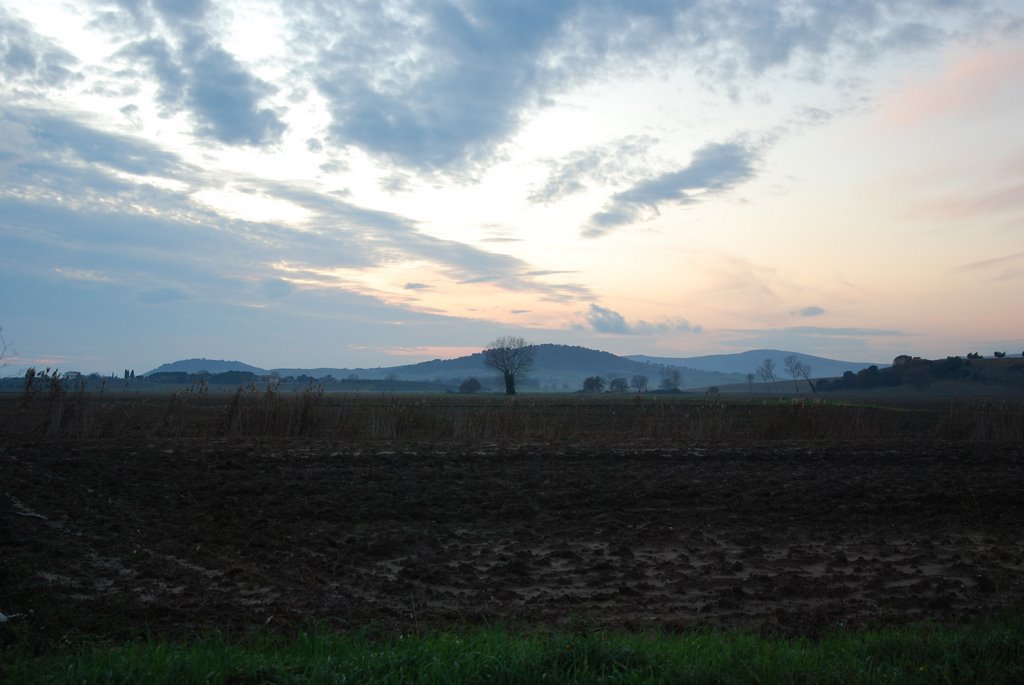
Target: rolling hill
748	362
555	367
207	365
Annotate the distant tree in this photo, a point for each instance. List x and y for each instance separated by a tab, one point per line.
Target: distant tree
169	377
469	386
902	360
792	364
30	382
671	378
750	382
639	382
593	384
510	356
919	376
1000	355
797	369
767	373
872	377
618	384
950	367
5	347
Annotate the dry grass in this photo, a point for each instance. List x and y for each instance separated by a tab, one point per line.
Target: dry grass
58	412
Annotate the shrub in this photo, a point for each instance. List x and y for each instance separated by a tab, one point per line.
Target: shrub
470	385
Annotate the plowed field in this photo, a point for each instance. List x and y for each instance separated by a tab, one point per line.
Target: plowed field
106	538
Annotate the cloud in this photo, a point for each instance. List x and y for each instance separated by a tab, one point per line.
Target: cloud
205	79
60	202
386	237
131	113
605	164
1000	197
159	56
837	342
714	169
83	275
434	86
994	262
823	331
1000	268
439	86
396	183
28	59
276	288
57	135
416	286
547	272
603	320
181	10
225	99
607	321
819	330
967	85
809	311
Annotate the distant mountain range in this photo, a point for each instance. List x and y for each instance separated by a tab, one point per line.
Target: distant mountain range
206	365
748	362
555	367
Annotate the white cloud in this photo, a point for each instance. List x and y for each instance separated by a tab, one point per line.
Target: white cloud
714	169
603	320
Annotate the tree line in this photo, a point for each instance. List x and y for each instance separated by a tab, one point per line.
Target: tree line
912	371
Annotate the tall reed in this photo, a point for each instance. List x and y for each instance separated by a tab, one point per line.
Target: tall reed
61	412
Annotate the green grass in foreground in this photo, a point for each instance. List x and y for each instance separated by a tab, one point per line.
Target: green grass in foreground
990	652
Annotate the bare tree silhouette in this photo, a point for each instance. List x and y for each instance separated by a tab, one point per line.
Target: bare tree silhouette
510	355
767	373
6	348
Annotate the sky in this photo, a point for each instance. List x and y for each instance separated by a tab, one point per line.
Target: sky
362	184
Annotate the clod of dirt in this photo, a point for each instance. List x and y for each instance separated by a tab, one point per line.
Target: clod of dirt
623	551
108	537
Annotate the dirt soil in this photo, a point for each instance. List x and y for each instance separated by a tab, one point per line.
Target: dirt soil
111	539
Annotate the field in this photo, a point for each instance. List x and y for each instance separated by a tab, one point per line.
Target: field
169	516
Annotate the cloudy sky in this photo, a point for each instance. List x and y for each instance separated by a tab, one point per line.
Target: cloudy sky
311	183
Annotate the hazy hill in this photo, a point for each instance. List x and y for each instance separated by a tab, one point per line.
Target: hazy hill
555	367
748	362
559	367
209	365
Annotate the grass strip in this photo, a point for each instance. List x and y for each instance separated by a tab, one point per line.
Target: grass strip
988	652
